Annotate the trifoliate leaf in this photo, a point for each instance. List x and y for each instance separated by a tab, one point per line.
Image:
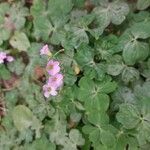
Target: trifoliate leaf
76	35
106	13
101	135
95	98
137	117
133	49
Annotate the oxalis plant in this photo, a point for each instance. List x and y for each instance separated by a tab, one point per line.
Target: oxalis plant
74	75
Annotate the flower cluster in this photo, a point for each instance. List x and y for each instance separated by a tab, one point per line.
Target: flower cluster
4	56
55	79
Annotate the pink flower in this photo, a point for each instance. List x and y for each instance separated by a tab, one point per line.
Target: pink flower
52	67
9	58
56	80
2	57
45	50
49	90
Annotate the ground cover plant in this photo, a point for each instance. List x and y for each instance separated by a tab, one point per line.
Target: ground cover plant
74	75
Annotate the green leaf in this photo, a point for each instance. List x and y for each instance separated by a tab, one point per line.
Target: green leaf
129	116
42	24
97	117
84	56
35	59
142	91
20	41
76	137
135	51
115	65
42	28
17	66
141	29
101	136
17	14
70	77
23	118
95	100
76	35
122	95
57	128
143	4
107	138
94	134
41	143
37	8
138	117
114	69
124	139
79	3
92	91
75	117
63	7
4	31
106	13
4	73
130	74
5	34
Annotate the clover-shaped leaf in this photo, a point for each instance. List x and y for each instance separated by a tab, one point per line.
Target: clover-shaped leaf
95	98
101	136
136	117
106	13
133	50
